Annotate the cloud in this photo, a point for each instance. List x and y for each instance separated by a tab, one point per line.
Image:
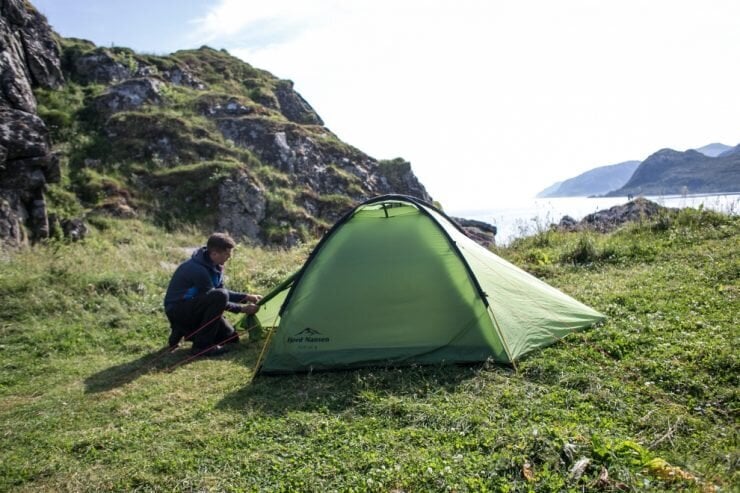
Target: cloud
489	99
257	24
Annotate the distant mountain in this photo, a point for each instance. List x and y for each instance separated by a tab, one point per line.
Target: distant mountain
669	172
714	150
547	191
597	181
731	150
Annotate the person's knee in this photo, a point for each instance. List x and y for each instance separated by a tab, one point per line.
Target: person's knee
218	296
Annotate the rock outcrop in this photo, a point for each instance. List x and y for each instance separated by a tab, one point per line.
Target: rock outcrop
293	106
480	231
29	57
310	158
610	219
242	206
130	95
100	67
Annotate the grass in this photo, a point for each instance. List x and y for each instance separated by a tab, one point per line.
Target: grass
647	401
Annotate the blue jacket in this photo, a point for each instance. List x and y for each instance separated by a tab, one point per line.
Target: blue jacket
197	276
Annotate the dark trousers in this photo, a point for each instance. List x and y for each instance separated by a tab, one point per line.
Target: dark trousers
203	314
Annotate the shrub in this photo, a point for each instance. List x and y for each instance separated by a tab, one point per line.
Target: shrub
583	252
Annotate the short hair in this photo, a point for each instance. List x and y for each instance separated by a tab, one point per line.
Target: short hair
220	242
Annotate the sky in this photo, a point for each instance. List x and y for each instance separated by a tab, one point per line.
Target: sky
490	100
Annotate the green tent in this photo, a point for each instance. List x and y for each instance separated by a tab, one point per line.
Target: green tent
395	281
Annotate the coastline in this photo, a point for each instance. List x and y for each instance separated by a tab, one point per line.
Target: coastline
529	215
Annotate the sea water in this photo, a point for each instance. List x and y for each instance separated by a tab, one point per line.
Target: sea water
530	215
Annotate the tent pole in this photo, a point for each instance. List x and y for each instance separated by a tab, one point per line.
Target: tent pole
501	335
264	349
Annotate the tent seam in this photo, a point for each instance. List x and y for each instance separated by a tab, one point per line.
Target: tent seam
501	334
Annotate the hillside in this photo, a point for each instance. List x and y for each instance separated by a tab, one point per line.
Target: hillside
644	402
597	181
669	172
197	137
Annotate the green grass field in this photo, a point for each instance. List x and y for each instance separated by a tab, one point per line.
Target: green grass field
647	401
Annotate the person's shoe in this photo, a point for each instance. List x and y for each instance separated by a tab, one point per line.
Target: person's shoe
175	338
216	350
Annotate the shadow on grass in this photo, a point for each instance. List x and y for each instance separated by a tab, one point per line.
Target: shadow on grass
120	375
336	391
162	360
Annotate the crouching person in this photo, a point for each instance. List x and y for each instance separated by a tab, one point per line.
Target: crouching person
196	299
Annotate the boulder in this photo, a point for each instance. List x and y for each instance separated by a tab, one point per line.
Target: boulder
610	219
74	229
145	71
23	134
635	210
183	77
567	223
221	107
99	66
129	95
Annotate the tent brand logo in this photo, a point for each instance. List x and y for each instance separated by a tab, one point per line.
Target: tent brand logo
308	335
309	331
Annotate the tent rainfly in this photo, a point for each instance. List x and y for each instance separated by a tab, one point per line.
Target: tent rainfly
396	282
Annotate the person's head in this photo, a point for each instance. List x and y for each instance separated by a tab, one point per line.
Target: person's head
219	246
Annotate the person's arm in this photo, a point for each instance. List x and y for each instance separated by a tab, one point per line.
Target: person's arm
242	302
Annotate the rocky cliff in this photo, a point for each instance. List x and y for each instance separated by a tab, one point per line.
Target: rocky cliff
196	137
29	58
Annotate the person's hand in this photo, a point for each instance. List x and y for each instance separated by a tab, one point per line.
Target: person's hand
250	308
253	298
